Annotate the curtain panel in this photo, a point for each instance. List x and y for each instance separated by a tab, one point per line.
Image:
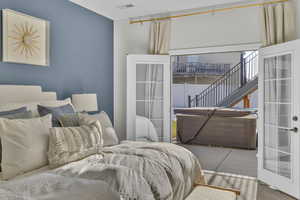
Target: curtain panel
160	36
278	23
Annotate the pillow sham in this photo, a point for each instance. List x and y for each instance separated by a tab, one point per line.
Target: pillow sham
15	111
69	120
22	115
24	144
73	143
110	137
56	112
32	106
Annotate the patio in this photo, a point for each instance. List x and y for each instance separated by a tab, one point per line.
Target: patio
227	160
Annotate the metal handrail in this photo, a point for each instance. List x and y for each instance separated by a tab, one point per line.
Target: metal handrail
231	80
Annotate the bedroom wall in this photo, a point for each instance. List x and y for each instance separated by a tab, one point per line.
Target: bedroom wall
220	29
236	27
81	52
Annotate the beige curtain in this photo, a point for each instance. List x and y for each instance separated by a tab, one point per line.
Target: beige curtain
160	35
278	23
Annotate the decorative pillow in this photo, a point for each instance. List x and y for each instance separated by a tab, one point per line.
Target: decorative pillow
15	111
110	137
56	112
32	106
21	115
74	143
24	144
69	120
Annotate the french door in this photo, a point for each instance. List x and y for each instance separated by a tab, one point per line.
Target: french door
148	98
279	106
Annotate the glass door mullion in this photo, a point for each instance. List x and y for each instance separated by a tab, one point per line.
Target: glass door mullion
278	107
278	117
146	103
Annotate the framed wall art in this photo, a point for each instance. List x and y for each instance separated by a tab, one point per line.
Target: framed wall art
25	39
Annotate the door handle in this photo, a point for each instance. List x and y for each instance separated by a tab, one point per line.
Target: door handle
295	129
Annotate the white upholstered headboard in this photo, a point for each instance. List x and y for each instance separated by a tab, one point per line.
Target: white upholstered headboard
24	93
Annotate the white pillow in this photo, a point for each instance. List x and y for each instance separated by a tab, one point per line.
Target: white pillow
24	144
145	129
110	137
32	106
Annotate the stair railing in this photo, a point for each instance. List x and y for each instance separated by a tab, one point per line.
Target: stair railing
233	79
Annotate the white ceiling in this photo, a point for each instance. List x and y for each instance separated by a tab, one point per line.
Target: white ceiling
110	8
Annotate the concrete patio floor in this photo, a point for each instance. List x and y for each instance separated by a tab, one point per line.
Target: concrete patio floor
228	160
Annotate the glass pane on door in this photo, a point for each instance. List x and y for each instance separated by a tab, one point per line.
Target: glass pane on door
149	102
277	115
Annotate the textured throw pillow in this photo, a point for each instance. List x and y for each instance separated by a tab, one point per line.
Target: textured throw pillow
110	137
69	120
73	143
24	144
56	112
14	111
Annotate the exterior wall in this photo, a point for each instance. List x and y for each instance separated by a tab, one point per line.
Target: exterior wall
180	93
214	58
253	101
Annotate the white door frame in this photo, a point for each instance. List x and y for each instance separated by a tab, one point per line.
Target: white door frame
120	65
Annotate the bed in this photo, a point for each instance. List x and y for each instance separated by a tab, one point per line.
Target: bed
127	171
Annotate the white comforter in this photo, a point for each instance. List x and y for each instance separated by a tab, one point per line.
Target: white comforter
130	171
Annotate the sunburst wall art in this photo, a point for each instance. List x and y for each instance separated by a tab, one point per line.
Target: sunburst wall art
25	39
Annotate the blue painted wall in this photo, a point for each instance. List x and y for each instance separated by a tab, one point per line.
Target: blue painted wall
81	52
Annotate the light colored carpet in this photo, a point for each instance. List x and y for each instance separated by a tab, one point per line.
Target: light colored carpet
247	185
250	188
266	193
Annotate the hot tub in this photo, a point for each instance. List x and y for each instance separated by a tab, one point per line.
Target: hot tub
224	127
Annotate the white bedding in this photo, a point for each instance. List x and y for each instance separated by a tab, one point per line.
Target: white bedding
69	188
130	171
50	186
33	172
